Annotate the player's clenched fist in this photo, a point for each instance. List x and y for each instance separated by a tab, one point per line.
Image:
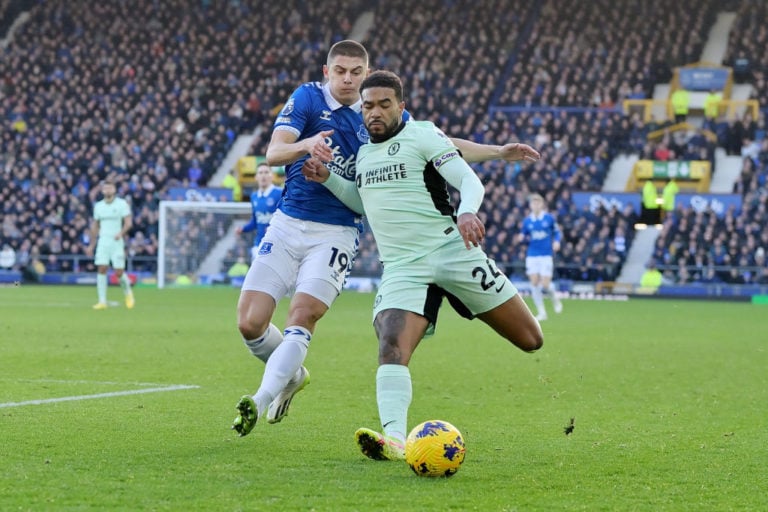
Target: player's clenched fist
314	170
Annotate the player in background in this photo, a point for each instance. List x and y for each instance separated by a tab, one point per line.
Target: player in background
111	222
312	239
428	252
263	205
542	234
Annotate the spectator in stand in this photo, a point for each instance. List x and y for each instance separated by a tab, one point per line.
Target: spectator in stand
681	100
230	181
7	257
651	211
712	107
238	269
155	98
651	278
668	195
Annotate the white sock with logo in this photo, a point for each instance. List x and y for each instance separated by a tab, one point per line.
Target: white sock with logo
282	365
393	394
263	346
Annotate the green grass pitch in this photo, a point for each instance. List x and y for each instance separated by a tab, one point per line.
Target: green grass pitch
670	401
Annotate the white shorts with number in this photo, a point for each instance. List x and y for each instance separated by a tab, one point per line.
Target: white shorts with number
302	256
539	265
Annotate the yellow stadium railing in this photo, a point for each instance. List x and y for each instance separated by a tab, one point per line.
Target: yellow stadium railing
693	175
732	109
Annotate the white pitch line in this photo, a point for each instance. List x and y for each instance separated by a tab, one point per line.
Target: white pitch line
99	395
73	381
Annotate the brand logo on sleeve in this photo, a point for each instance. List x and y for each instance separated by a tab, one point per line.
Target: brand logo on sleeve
439	161
288	108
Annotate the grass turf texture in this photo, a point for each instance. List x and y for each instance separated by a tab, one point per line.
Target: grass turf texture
669	400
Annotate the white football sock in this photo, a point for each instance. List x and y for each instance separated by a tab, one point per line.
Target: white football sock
125	283
263	346
101	287
282	366
538	299
393	394
552	291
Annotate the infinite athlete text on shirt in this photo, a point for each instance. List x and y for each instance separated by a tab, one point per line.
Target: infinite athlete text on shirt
385	173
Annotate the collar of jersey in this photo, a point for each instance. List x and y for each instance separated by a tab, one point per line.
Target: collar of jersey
266	192
335	105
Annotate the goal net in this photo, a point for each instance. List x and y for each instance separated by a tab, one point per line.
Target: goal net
198	244
197	241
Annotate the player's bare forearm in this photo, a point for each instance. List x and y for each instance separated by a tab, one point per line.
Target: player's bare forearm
514	151
283	154
285	149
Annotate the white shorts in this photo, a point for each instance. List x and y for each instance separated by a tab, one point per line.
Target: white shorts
302	256
110	252
539	265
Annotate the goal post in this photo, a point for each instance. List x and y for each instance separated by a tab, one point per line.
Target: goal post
196	239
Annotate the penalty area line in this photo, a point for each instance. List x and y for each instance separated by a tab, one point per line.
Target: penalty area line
177	387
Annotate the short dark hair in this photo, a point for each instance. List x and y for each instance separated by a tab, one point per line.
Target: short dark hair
384	79
348	48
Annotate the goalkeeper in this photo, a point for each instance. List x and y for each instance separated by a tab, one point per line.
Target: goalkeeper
438	255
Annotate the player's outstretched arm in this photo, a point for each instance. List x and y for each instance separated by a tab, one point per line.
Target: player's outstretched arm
514	151
285	148
314	170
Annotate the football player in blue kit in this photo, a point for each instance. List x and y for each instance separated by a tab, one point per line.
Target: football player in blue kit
312	238
264	202
543	235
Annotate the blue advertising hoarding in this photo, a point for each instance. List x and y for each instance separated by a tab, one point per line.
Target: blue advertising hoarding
703	79
718	203
199	194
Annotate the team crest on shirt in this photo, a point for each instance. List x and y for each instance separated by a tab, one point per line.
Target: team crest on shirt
326	115
288	108
265	248
362	134
393	149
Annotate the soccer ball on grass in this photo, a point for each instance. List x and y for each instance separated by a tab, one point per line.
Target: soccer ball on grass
434	448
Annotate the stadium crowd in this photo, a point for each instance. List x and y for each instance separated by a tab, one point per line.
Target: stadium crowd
154	93
155	97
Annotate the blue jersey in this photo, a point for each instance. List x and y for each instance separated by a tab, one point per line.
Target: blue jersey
540	232
263	205
310	110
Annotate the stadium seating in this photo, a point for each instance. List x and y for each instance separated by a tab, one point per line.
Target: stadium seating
156	98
